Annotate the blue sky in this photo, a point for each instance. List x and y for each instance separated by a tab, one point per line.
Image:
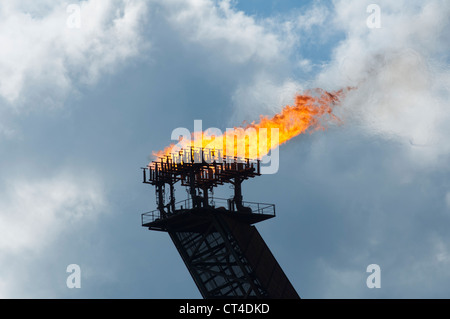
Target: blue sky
82	109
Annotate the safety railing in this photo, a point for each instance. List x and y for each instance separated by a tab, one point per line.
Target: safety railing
228	204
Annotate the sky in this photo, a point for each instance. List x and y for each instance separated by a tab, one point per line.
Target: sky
89	89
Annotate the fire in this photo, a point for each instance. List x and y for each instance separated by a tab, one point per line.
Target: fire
309	113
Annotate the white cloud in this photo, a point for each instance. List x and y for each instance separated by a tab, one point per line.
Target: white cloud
42	57
33	216
34	212
225	31
401	72
256	49
263	96
398	69
316	15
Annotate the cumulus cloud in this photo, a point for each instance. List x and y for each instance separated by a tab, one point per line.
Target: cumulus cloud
400	70
51	50
34	212
229	33
44	54
264	95
401	76
33	215
399	111
257	50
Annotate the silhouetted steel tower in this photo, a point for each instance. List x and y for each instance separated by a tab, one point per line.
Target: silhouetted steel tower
223	251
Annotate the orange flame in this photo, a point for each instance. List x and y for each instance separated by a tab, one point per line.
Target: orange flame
256	139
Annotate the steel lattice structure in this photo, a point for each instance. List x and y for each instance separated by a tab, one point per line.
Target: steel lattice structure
220	246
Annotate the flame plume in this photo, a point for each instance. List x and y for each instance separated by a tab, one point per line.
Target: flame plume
308	114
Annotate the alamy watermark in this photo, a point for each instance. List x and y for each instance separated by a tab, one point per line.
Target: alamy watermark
374	19
253	143
374	279
74	279
74	16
